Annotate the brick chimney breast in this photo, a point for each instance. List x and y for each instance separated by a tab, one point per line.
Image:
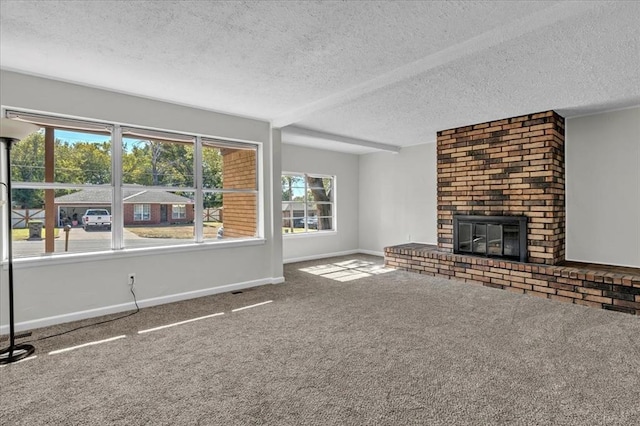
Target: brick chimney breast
513	166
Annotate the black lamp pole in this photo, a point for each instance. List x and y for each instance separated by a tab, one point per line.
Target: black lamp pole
14	352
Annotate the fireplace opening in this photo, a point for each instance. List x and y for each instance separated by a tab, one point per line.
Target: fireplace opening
491	236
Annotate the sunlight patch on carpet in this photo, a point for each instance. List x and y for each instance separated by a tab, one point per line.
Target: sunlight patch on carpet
97	342
348	270
251	306
22	360
179	323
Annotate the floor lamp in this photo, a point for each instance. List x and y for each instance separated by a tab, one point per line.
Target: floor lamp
12	131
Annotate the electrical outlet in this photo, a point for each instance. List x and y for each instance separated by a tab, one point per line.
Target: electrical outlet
131	279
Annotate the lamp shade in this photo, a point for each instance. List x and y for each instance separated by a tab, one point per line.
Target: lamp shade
16	130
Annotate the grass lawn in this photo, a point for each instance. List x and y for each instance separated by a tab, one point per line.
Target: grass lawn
183	232
23	233
287	230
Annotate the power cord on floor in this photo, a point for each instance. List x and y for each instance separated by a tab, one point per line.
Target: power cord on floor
135	301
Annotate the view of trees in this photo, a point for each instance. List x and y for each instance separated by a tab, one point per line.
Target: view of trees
313	191
144	162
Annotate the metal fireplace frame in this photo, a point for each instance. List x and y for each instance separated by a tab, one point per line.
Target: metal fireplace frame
520	221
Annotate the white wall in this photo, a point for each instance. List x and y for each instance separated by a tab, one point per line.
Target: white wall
345	168
52	290
603	188
398	198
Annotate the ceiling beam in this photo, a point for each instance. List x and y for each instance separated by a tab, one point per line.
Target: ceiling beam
545	17
301	131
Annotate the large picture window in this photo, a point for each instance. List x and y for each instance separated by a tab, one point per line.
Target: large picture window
307	203
141	187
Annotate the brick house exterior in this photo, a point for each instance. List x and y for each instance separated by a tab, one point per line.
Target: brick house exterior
161	205
240	209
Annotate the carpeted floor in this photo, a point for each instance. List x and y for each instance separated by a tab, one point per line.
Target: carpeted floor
343	342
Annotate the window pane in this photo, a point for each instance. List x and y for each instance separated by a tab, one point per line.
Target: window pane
150	162
68	207
320	189
27	159
322	210
228	167
239	169
211	167
239	216
158	218
82	157
78	158
293	188
307	203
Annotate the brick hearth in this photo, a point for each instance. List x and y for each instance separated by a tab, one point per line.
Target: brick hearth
583	286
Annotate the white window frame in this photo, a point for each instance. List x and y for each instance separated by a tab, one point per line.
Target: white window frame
311	231
117	186
178	211
143	216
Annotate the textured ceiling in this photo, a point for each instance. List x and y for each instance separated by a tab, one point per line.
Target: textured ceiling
386	73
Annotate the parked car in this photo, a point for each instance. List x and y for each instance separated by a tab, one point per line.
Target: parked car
96	218
311	221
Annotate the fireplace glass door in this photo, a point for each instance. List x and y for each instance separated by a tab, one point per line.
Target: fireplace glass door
479	238
511	240
494	240
465	237
494	236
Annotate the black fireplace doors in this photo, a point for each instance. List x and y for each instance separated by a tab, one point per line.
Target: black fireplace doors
492	236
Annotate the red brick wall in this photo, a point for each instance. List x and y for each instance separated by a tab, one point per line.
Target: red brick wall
240	210
513	166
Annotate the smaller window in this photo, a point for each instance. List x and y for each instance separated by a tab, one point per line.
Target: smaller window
141	212
307	203
179	211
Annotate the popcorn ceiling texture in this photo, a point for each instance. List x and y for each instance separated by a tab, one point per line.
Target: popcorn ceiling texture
383	71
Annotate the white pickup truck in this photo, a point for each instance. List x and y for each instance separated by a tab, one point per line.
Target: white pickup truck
96	218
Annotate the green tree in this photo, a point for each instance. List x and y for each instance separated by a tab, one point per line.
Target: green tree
27	165
321	191
211	176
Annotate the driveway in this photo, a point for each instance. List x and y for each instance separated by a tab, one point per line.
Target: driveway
81	241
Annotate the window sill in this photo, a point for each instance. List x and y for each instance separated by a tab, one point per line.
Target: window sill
310	234
61	259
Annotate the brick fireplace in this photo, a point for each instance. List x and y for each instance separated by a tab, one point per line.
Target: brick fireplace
512	168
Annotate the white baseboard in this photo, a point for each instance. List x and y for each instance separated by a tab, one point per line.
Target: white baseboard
327	255
319	256
154	301
372	253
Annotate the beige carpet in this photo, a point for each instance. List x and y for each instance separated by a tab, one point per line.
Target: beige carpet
341	343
